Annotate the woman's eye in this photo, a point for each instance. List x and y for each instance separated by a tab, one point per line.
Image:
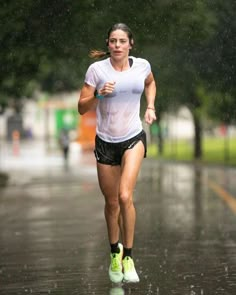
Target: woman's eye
112	41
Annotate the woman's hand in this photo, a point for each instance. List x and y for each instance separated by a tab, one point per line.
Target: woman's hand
107	88
150	116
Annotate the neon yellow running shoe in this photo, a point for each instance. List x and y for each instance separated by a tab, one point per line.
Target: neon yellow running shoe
130	274
115	268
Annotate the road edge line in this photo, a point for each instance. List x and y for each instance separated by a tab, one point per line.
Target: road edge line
229	199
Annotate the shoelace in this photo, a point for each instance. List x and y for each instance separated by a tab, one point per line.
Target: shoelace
115	263
128	265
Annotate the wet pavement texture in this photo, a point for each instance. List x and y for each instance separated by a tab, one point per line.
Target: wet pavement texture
53	237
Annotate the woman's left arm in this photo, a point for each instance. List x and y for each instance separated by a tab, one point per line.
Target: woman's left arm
150	93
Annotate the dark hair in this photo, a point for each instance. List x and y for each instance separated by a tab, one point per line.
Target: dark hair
119	26
122	27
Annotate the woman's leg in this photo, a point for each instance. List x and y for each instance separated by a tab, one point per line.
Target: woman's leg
130	167
109	181
131	163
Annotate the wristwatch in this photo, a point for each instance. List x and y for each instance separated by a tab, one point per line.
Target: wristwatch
98	96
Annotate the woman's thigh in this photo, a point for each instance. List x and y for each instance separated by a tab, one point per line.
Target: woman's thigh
130	167
109	180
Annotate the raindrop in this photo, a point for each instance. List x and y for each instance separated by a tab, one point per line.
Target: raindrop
150	288
101	267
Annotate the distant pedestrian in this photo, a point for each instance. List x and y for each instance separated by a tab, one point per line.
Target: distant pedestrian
114	87
64	142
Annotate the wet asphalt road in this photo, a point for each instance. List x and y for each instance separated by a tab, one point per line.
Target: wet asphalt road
53	235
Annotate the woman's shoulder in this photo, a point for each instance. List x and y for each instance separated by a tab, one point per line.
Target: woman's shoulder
140	60
141	63
99	63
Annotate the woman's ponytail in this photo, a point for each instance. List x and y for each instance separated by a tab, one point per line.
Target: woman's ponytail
98	53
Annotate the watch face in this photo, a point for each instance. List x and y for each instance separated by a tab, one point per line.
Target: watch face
99	96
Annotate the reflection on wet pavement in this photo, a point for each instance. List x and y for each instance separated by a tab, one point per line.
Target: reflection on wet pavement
117	291
53	235
192	231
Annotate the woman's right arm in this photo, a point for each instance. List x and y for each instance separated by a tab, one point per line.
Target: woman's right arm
87	100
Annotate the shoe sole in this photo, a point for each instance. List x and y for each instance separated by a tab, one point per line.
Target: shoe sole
118	280
129	281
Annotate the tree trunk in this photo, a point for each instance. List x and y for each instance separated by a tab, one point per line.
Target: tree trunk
226	145
197	137
160	137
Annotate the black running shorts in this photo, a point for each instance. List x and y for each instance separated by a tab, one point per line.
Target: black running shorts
111	153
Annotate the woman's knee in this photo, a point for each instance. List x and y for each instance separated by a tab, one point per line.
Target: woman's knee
125	199
112	206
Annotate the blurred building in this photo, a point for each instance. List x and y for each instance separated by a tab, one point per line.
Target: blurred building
179	124
43	117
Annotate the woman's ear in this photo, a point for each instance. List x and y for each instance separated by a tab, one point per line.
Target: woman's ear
107	43
131	42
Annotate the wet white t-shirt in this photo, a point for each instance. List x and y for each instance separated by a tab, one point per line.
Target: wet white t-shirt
118	114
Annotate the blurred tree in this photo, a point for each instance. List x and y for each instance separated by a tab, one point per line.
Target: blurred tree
191	25
220	73
43	45
217	67
199	51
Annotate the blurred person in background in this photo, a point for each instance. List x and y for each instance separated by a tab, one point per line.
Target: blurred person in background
114	86
64	142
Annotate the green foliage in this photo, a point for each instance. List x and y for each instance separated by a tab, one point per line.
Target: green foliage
222	107
45	44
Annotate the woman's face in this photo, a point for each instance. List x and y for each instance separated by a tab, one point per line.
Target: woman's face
119	45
